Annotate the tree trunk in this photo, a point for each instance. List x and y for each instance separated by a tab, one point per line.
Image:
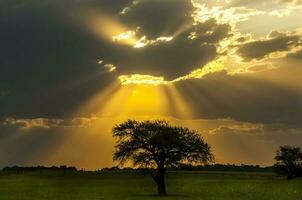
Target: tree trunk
161	186
159	178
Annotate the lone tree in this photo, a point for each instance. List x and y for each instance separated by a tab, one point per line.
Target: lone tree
289	161
159	145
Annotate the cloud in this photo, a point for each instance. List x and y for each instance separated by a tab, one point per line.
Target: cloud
110	67
32	123
276	44
256	129
47	123
71	51
294	2
244	97
267	5
280	13
295	56
176	57
232	15
158	17
238	129
261	67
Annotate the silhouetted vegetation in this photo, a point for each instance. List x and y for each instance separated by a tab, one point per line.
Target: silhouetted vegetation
205	168
157	144
17	169
225	167
181	167
289	161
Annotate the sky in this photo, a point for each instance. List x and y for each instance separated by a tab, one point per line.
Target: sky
72	69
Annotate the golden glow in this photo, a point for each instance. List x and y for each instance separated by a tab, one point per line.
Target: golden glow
110	67
143	41
212	67
178	105
146	99
133	100
129	101
139	79
124	36
105	26
128	38
161	39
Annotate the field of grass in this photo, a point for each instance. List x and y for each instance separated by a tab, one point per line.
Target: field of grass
136	186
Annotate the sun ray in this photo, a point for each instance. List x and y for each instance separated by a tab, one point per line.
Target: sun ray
181	107
97	102
108	27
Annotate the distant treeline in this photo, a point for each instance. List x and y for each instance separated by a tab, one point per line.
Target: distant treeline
226	167
184	167
18	169
214	167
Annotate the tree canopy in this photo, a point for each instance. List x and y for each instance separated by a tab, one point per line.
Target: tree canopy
149	143
157	144
289	161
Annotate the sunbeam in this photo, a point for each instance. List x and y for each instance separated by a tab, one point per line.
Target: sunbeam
137	99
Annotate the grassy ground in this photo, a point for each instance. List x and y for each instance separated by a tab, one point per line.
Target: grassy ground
181	186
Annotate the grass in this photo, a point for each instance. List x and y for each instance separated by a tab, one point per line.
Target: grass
135	186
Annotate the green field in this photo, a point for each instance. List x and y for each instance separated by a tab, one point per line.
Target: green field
180	185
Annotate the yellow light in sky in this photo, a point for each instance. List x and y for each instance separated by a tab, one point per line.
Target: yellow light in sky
178	104
127	38
212	67
109	27
138	79
124	36
110	67
146	100
134	100
106	26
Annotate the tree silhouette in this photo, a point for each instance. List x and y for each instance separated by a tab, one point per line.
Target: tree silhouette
159	145
289	161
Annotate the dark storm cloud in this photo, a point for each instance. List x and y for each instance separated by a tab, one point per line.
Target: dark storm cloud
275	42
175	58
159	17
244	98
48	64
59	5
169	59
